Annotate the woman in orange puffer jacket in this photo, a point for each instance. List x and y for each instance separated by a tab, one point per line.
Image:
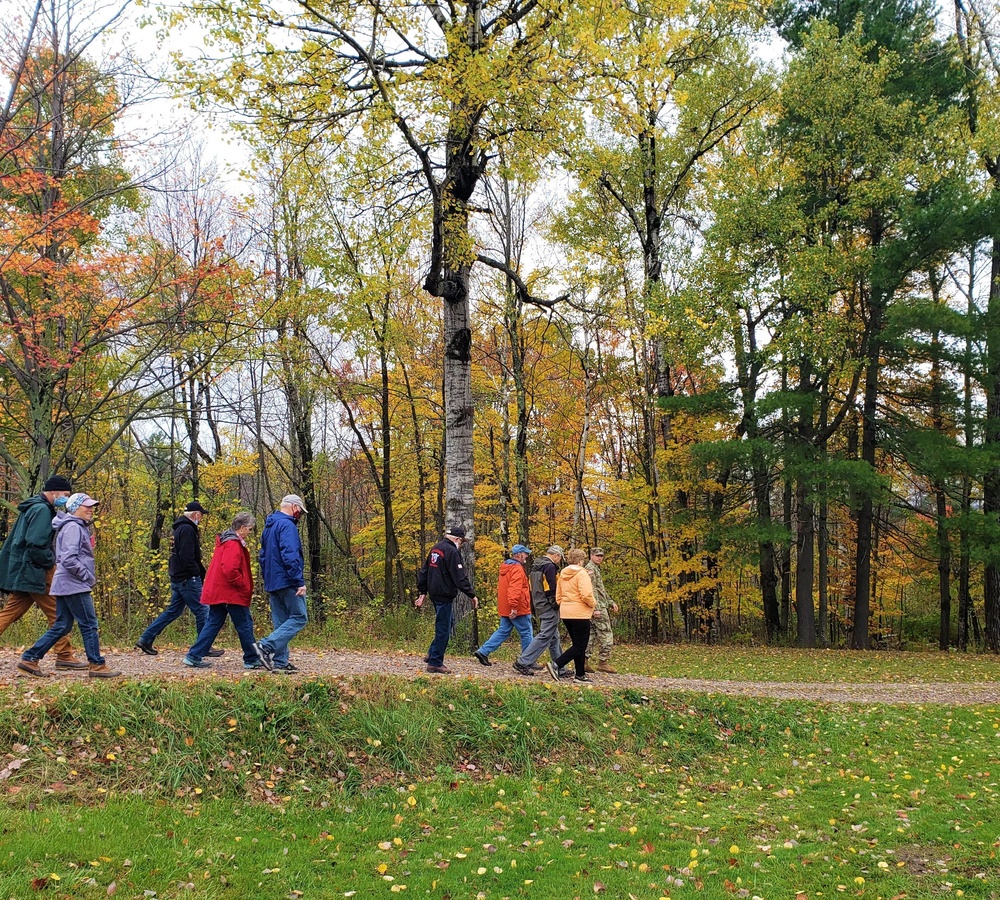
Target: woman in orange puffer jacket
575	596
513	604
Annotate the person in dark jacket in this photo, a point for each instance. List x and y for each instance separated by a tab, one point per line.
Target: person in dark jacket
227	592
186	574
441	577
74	579
26	564
283	569
544	575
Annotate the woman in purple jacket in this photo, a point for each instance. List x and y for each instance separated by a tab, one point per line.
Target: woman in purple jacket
74	578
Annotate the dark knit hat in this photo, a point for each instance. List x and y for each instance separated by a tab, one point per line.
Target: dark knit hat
57	483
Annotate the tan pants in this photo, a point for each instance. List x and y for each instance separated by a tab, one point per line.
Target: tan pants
18	603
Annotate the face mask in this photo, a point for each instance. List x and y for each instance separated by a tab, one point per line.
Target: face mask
297	515
60	502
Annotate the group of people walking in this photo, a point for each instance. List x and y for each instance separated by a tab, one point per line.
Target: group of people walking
574	595
47	561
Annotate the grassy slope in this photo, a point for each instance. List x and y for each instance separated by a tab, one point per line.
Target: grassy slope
463	789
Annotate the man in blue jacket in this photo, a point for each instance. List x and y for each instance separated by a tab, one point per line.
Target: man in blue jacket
283	570
441	577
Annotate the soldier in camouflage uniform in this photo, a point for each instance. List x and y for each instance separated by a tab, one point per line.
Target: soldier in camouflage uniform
601	638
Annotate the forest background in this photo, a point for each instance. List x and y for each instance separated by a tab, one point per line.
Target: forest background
735	320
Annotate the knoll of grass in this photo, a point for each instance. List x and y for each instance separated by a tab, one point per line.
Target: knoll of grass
464	789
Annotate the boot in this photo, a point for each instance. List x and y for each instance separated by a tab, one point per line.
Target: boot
32	668
588	668
604	666
71	663
102	671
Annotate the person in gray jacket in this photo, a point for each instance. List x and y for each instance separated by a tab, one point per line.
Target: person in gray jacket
74	579
543	597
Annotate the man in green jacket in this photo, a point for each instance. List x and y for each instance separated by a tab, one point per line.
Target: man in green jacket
601	638
27	561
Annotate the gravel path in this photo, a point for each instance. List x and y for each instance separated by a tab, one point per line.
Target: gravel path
168	664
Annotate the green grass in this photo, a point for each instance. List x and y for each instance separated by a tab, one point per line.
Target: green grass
811	666
463	789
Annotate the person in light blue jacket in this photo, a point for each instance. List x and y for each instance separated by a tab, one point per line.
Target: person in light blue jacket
282	569
74	578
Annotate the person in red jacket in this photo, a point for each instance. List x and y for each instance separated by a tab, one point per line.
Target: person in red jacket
227	591
513	604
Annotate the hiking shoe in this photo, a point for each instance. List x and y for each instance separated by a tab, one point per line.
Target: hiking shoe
253	665
439	670
287	668
72	663
215	654
566	673
484	660
538	667
606	668
582	679
523	670
32	668
196	663
553	670
588	668
102	671
266	656
146	648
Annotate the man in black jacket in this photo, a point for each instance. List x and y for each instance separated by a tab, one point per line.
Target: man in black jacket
441	577
543	597
186	574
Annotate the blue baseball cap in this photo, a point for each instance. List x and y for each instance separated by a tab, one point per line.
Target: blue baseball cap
519	548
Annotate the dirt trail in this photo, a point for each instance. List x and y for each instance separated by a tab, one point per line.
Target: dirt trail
169	664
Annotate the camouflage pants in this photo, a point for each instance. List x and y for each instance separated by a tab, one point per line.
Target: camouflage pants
601	638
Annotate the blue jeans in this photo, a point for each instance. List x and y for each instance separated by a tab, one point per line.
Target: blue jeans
442	632
242	622
71	608
288	614
546	639
182	594
507	625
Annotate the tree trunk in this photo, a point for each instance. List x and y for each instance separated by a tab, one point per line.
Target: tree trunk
991	444
581	459
860	639
767	563
805	543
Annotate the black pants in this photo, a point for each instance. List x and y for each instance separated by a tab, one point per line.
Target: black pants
579	634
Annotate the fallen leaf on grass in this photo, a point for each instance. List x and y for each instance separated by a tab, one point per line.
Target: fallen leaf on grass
9	769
